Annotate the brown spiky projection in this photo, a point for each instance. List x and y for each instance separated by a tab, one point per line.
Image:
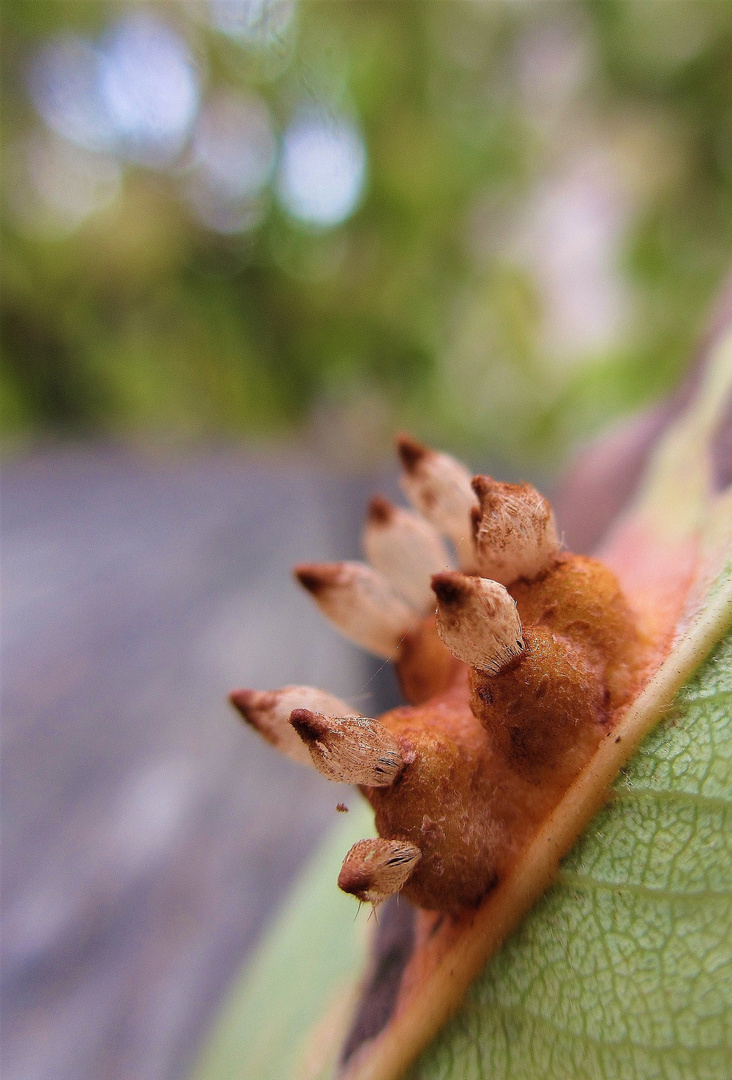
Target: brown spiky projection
514	665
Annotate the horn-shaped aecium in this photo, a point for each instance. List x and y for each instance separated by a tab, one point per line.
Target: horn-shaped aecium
406	549
478	621
502	718
269	712
360	602
514	531
373	870
349	749
440	488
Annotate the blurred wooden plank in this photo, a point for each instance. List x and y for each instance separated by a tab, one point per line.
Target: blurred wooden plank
148	835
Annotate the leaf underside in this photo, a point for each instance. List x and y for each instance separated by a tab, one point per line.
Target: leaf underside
624	968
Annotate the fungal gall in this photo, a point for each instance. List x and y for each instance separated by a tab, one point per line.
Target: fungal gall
515	667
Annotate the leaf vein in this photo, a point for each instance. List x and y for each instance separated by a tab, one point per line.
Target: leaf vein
577	1037
583	881
661	795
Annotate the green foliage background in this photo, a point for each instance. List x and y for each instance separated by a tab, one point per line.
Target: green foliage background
421	308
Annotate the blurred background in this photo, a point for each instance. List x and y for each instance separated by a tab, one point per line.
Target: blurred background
243	242
494	223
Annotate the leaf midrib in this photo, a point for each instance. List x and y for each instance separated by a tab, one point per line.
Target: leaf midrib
658	796
583	881
522	1011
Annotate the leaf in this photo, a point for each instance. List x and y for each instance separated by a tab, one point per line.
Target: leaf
624	968
671	553
619	969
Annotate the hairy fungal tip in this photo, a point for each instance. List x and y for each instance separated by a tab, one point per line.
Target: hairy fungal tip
449	588
315	577
406	549
484	487
349	749
411	452
243	702
514	531
268	711
381	511
309	725
374	870
438	486
478	621
360	602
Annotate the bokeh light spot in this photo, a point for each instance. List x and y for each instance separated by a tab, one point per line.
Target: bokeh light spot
258	23
149	86
63	81
322	170
234	145
233	154
57	186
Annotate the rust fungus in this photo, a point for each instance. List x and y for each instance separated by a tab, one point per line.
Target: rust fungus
516	660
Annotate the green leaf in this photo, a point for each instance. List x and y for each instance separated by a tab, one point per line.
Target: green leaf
624	968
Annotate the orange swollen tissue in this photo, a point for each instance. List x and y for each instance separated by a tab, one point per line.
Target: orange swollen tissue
516	663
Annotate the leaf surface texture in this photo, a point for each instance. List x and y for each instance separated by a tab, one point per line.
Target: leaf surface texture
624	967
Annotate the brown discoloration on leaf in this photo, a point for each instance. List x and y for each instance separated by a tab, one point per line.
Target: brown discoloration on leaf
493	758
392	947
581	599
546	713
458	801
